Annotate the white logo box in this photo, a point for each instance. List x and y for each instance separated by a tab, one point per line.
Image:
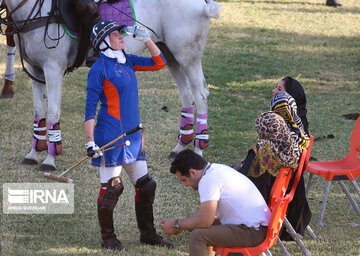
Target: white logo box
38	198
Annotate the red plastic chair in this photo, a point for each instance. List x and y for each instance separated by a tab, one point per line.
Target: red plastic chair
307	159
347	168
278	206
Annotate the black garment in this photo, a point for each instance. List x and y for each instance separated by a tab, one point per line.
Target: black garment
295	89
298	212
264	182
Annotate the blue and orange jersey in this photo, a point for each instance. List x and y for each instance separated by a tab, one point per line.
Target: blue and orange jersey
115	86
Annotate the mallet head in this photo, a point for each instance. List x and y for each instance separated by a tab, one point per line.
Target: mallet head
57	178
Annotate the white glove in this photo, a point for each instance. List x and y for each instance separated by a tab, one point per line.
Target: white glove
138	33
91	149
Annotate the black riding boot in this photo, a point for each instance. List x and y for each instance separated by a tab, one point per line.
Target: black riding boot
106	205
144	199
334	3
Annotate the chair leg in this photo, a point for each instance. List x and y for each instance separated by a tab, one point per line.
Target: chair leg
268	253
322	213
296	237
351	199
356	186
311	232
308	184
282	247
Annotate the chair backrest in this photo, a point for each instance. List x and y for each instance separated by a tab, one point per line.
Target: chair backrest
279	187
298	173
278	206
355	139
276	221
281	183
307	159
279	202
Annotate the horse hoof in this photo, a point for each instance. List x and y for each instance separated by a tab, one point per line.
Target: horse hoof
46	167
7	95
28	162
172	155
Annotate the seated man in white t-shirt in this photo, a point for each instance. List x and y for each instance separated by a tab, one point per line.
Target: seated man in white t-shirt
232	210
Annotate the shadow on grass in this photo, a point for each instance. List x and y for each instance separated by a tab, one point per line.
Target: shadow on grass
280	2
332	10
247	54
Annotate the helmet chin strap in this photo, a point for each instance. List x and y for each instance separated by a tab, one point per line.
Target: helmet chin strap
110	52
107	47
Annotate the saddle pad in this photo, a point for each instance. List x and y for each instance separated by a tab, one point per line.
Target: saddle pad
122	12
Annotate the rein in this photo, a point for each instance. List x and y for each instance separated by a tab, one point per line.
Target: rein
102	1
21	4
29	24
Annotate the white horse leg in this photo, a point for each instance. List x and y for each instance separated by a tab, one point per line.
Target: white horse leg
7	91
192	88
10	62
39	101
201	95
187	102
54	76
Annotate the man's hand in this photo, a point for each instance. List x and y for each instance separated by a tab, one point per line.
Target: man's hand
168	227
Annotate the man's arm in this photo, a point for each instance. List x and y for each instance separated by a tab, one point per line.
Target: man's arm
203	218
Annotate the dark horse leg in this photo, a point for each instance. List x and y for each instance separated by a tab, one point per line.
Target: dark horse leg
7	91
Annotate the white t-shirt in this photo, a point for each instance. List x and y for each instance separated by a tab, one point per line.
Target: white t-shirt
239	201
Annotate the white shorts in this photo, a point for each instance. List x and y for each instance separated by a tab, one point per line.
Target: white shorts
133	170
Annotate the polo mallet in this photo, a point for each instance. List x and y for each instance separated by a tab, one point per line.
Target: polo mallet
104	148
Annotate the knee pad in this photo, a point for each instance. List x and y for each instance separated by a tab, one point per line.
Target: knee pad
145	189
110	196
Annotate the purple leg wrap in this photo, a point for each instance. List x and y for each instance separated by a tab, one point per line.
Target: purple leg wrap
202	136
186	126
39	141
55	147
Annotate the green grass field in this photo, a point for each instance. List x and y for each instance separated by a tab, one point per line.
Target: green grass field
253	45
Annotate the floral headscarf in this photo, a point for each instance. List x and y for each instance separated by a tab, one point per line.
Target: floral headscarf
275	147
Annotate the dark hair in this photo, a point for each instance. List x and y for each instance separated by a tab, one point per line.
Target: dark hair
185	160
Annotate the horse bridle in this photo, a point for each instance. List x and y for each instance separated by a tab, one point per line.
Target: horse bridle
28	24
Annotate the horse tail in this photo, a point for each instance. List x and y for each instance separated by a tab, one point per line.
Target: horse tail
212	9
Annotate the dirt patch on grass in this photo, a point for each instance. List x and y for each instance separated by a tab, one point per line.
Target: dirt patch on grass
352	116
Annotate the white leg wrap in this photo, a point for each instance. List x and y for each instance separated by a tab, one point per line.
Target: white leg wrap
10	62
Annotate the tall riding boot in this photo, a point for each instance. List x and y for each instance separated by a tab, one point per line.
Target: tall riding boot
144	199
334	3
106	203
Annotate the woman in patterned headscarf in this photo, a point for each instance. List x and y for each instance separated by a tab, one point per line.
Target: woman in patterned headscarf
286	106
289	101
275	149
